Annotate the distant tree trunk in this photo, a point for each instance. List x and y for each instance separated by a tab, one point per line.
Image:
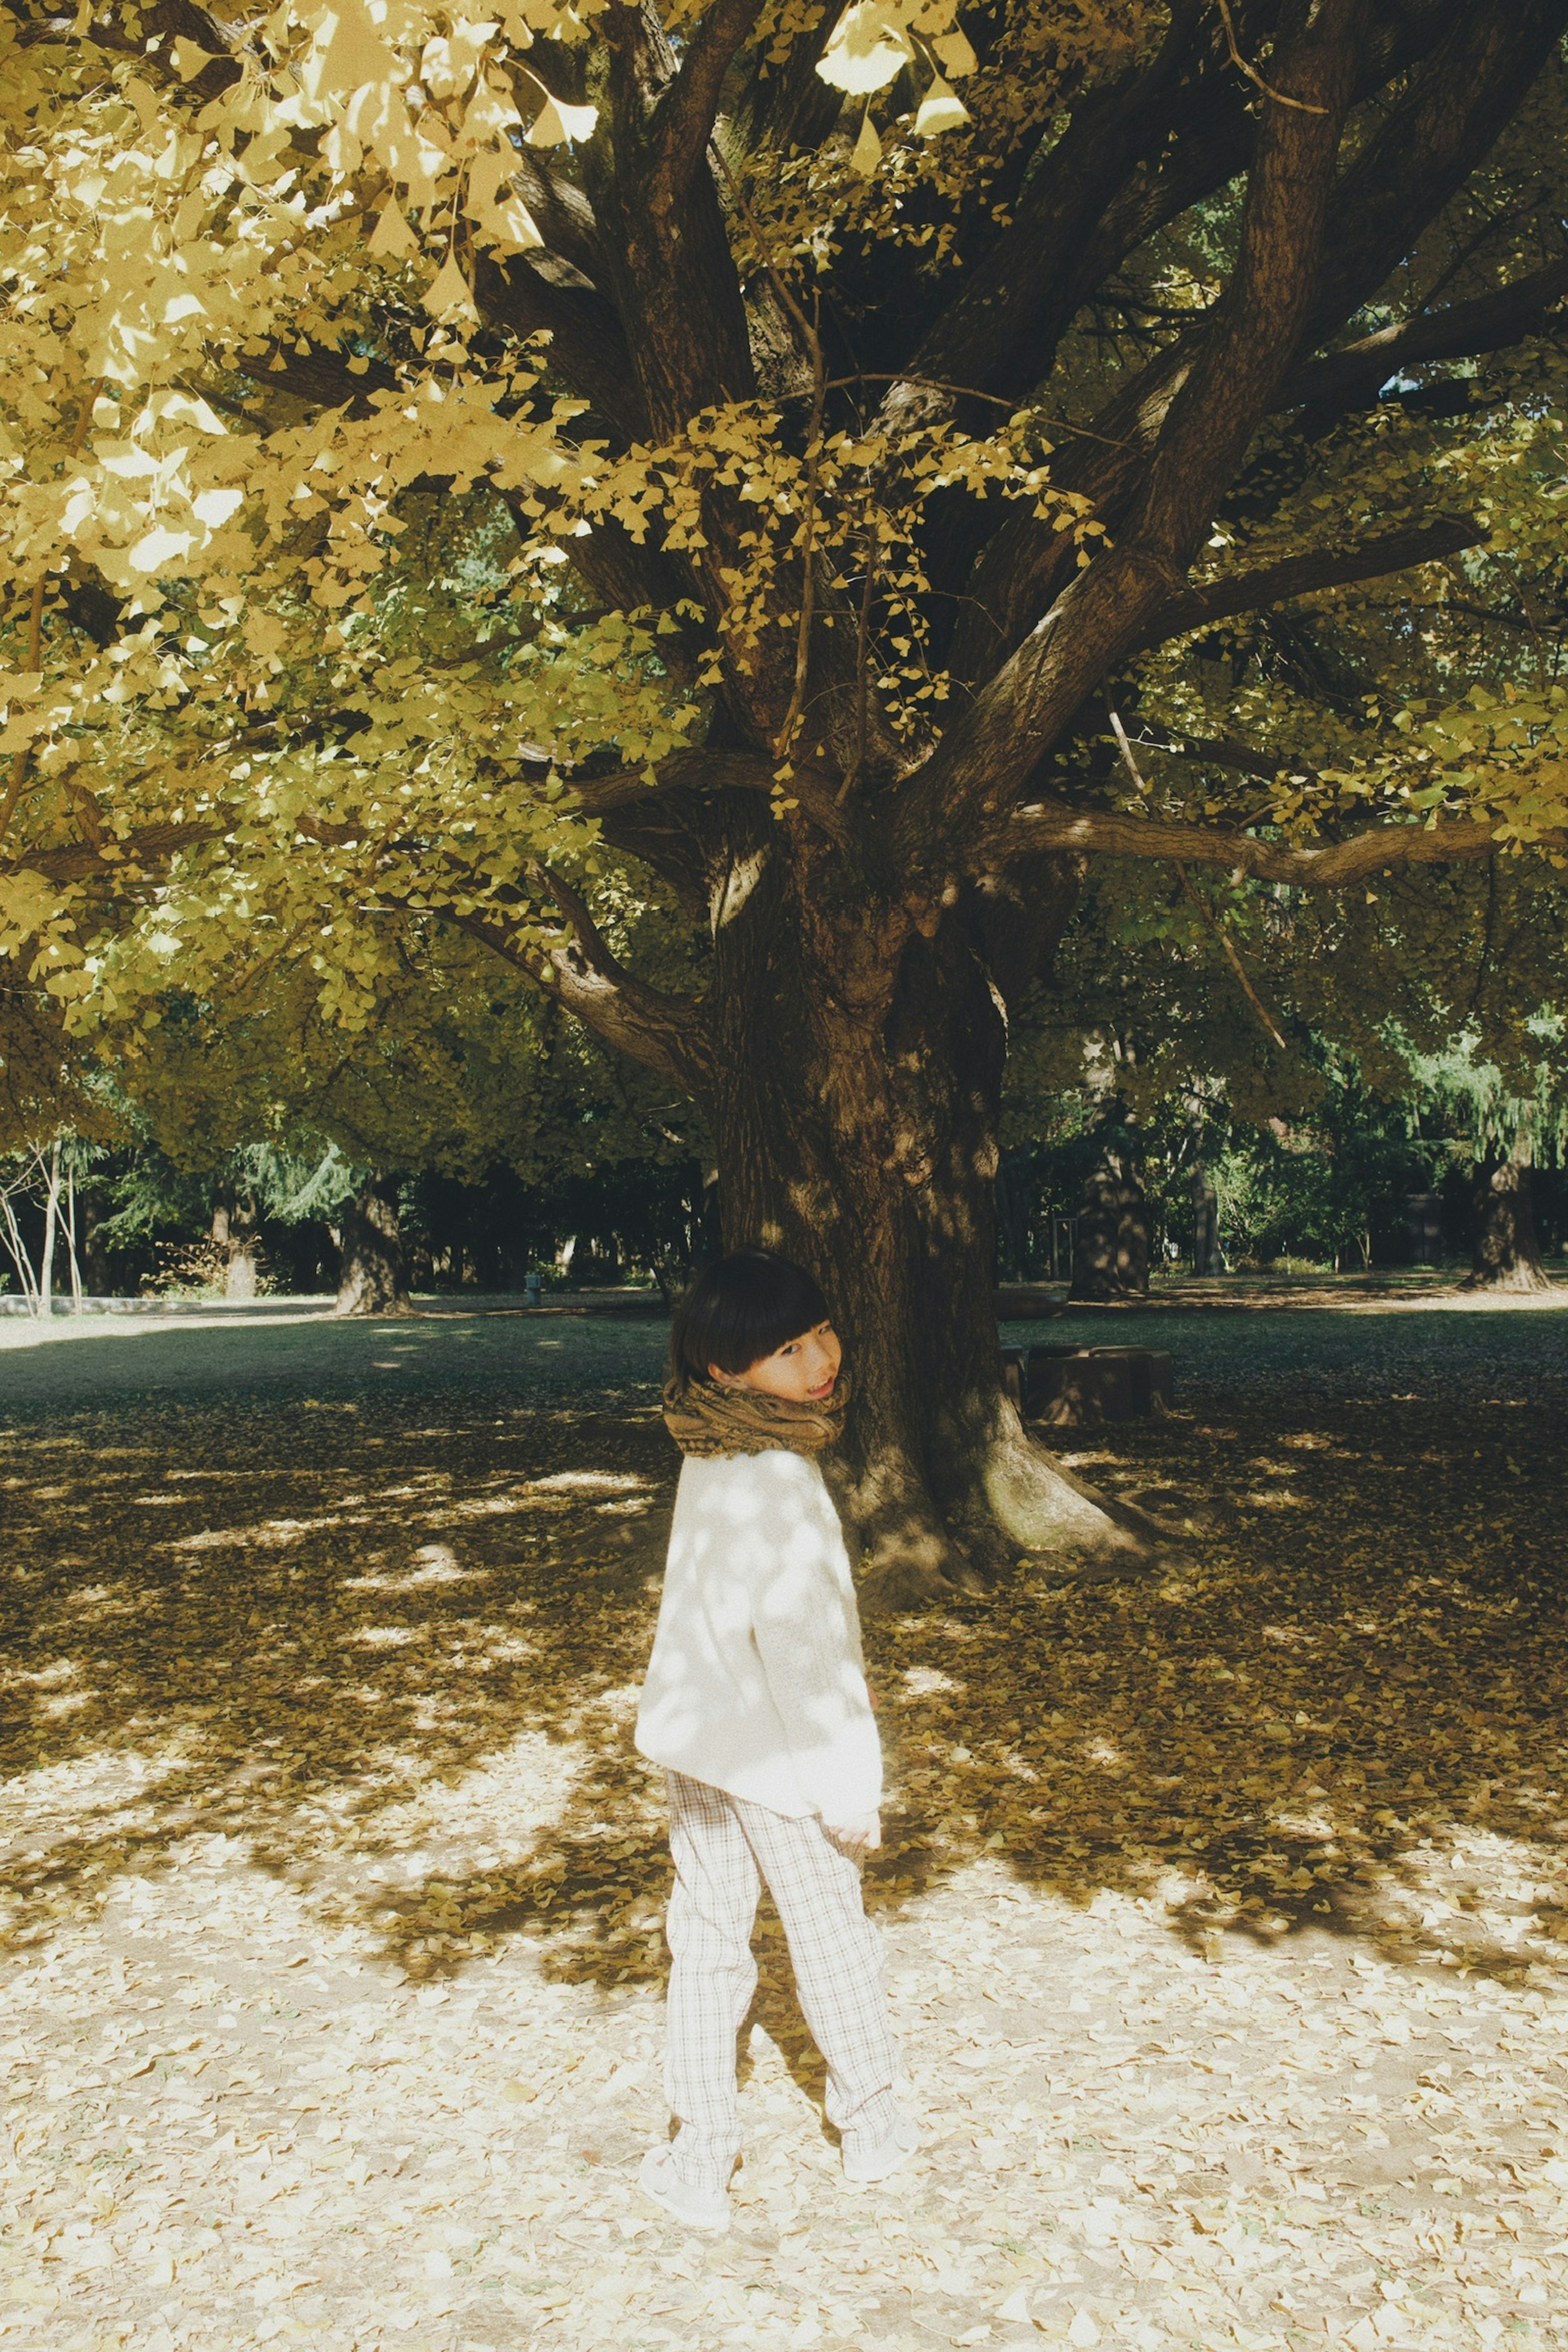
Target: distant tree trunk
1507	1253
51	1226
241	1279
371	1278
1110	1256
95	1258
234	1237
1013	1255
1206	1258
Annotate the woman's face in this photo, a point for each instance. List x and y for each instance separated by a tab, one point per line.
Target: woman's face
803	1369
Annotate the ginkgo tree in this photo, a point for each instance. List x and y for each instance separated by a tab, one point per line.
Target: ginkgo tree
848	469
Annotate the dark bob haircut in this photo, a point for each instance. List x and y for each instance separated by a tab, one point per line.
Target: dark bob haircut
740	1309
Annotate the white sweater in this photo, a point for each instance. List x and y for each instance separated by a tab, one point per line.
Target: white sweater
756	1684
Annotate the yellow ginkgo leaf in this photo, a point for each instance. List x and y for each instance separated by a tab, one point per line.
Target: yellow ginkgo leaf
954	54
214	507
510	225
557	122
158	548
449	63
500	220
393	236
867	150
490	114
349	54
188	58
939	110
866	48
447	297
485	173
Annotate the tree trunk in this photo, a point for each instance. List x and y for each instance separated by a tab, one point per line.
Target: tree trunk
1206	1254
854	1104
1110	1255
96	1263
51	1226
1507	1254
241	1241
371	1278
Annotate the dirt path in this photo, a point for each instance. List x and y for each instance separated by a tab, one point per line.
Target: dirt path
1225	1916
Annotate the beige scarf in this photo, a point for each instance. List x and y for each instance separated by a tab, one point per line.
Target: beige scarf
705	1418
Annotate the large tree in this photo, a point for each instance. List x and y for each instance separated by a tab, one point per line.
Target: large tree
772	483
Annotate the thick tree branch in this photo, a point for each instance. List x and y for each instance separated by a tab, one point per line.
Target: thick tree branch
1046	826
321	377
173	19
1441	129
1490	322
683	118
666	1034
1299	575
1131	161
587	345
710	773
985	758
998	332
1465	89
561	211
131	852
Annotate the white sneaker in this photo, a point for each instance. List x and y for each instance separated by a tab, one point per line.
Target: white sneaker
864	2165
698	2209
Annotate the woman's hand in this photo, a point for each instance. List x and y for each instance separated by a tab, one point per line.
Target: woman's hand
859	1835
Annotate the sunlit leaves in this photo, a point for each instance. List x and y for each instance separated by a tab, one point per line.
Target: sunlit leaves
866	48
557	122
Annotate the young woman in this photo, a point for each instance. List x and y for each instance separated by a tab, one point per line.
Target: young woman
755	1704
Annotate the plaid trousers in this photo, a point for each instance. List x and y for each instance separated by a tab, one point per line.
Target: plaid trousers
724	1848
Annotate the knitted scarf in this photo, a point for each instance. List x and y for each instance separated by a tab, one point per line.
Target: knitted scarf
705	1418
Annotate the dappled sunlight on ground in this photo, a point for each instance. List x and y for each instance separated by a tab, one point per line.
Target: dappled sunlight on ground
1225	1911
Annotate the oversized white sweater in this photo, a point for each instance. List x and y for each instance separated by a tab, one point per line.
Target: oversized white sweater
756	1684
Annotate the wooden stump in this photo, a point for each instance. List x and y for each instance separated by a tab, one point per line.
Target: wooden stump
1081	1387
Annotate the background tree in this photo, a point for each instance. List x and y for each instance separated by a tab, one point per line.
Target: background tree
1505	1131
464	1073
855	506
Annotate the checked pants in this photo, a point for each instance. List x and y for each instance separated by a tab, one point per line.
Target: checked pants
725	1849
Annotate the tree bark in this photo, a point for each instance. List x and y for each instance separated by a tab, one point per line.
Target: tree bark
1208	1257
1507	1256
1110	1255
370	1279
234	1237
854	1104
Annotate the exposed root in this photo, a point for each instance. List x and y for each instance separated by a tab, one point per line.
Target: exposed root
906	1558
1521	1279
1039	1506
1015	1497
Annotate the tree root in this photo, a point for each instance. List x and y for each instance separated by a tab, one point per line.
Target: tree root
1520	1280
1043	1508
1017	1498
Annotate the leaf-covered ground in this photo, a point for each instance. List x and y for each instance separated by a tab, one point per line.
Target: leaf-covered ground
1225	1914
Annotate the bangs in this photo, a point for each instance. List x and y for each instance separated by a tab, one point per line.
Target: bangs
738	1309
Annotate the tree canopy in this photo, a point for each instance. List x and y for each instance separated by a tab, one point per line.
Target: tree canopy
404	410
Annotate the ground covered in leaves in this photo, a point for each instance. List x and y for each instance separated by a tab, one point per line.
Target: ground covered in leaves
1225	1912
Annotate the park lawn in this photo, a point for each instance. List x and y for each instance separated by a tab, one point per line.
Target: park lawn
1224	1909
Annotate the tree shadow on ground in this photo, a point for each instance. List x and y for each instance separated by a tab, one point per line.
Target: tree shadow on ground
300	1627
